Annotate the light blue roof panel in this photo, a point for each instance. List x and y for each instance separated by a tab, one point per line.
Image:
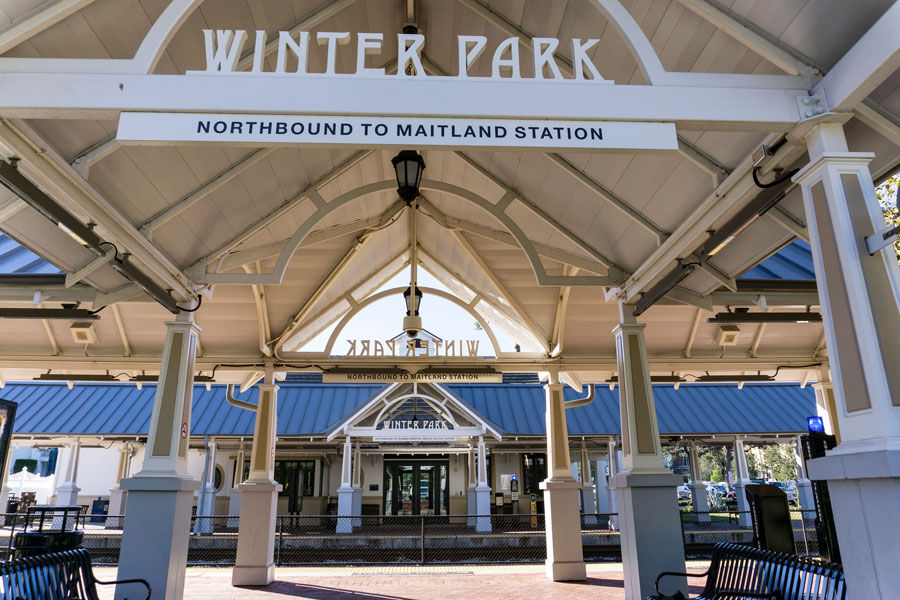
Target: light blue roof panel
314	409
794	261
16	259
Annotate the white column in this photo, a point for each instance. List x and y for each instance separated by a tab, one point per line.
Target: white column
161	495
482	491
345	492
615	464
741	479
255	560
859	296
357	485
600	495
804	486
117	495
565	559
206	501
4	486
234	497
649	520
587	488
471	508
825	403
67	493
699	496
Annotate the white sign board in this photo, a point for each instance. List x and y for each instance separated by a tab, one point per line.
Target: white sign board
384	376
149	128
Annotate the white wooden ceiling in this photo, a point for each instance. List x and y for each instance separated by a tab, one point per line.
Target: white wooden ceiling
144	182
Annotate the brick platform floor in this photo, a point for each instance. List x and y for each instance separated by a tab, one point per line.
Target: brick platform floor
450	585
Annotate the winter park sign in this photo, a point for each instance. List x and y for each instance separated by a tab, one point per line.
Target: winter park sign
225	49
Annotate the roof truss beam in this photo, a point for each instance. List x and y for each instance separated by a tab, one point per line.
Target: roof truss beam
32	23
751	37
561	256
204	190
871	60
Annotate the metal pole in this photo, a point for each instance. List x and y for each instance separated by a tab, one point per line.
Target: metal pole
422	555
280	524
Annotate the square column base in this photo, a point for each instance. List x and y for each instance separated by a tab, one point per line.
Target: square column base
865	499
345	510
805	496
116	511
357	507
483	508
744	518
255	561
650	535
471	509
565	559
587	504
67	494
700	501
234	508
156	535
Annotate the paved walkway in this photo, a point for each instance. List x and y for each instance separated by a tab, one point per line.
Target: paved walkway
405	583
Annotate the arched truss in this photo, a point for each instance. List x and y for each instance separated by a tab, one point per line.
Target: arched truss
323	209
470	308
439	407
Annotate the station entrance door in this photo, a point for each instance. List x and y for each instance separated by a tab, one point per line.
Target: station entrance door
416	487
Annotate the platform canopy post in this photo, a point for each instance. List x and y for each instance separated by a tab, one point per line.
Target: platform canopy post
162	493
699	496
649	520
859	296
565	559
255	562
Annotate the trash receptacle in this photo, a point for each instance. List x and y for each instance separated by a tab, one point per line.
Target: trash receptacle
12	507
48	529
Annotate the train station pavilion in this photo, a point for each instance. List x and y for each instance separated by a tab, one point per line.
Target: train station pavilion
220	182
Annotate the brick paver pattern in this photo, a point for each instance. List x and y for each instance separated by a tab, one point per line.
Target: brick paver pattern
452	585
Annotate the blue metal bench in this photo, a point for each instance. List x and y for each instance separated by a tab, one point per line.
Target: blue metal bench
738	572
64	575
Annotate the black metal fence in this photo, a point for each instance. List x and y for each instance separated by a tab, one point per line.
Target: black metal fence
420	540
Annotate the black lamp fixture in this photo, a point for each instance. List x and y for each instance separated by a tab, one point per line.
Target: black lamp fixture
408	167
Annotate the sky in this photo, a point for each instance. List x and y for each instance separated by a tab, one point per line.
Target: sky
383	320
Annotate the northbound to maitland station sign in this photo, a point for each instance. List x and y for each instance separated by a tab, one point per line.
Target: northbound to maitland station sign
225	56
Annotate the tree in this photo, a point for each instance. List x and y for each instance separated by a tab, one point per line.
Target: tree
887	199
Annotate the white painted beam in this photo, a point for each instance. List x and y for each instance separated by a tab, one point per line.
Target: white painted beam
31	23
242	257
262	311
90	156
546	217
871	60
551	252
120	325
10	205
877	118
788	221
204	190
520	311
41	163
607	195
281	210
728	23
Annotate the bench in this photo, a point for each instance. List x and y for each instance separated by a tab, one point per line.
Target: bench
58	576
738	572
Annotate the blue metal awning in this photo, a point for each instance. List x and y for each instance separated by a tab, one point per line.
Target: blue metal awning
16	259
794	261
312	409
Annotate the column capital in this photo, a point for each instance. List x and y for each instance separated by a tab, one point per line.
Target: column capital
811	169
628	328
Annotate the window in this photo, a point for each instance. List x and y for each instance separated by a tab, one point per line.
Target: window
534	471
289	473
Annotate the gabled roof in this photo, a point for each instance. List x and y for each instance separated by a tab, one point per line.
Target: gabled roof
305	409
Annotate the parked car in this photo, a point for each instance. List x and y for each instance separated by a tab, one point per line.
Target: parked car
788	489
684	492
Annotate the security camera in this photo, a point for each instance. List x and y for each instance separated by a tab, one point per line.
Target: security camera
412	325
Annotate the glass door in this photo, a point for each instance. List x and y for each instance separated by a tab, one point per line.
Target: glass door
416	488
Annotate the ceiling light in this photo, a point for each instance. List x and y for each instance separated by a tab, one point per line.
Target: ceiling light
408	167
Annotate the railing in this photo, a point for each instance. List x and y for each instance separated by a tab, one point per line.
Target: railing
419	540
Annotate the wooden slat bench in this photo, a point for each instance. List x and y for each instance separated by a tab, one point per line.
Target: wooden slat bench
58	576
738	572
